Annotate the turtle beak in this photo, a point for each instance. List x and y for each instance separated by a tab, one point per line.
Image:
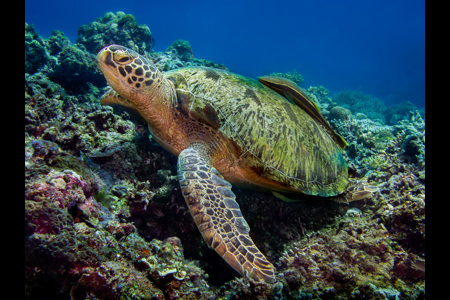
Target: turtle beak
104	60
109	68
105	57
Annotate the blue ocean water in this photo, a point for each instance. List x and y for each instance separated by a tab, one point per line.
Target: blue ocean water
377	47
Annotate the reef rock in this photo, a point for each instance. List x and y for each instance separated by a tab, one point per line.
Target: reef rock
76	71
118	28
36	55
338	263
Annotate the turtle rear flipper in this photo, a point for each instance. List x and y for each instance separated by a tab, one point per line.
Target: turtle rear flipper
356	190
213	206
294	94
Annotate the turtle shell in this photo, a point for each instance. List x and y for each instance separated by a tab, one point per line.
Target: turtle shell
258	138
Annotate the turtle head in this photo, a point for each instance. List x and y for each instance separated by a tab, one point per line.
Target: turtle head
129	74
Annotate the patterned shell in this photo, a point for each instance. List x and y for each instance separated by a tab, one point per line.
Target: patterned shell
276	138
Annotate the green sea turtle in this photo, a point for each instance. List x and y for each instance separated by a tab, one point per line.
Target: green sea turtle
228	129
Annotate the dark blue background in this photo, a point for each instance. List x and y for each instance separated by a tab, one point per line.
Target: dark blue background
376	46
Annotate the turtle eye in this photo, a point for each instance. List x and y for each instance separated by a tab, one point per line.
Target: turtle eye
122	58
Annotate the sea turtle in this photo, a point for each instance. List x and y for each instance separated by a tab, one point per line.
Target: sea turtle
229	129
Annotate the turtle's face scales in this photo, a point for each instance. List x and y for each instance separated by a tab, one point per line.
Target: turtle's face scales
137	84
127	72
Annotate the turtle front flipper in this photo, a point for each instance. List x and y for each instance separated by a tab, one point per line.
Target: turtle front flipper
213	206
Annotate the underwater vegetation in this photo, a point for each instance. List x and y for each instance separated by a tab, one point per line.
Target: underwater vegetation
105	218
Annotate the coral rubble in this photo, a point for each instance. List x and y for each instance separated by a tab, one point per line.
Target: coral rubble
105	219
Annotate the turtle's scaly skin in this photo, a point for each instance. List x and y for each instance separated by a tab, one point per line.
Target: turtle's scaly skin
226	128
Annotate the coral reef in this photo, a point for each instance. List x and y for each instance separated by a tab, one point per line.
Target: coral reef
339	114
293	76
182	49
395	113
35	53
367	106
81	247
105	219
357	101
179	55
63	63
356	259
118	28
373	146
76	71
